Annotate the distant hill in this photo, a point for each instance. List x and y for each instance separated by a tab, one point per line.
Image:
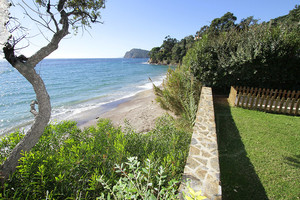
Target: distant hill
137	53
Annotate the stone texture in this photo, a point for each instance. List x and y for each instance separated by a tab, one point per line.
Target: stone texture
202	170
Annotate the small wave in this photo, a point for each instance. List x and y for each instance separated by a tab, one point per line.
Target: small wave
5	71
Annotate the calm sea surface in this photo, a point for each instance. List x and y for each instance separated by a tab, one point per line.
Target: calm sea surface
74	86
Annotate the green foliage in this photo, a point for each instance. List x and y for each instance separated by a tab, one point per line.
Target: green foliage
171	51
192	195
67	162
262	55
136	182
180	94
8	142
83	12
225	23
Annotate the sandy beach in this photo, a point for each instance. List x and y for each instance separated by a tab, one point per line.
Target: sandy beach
140	111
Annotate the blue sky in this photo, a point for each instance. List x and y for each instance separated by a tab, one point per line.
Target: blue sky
144	24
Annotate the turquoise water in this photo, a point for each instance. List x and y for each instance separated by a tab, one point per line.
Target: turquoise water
74	86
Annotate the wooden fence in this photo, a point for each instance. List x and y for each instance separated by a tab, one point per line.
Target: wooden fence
268	100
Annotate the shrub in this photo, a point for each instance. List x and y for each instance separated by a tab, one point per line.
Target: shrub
180	94
66	162
261	55
136	182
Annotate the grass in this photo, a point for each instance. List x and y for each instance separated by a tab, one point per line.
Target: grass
259	153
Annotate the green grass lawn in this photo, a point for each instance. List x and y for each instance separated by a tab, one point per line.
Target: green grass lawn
259	153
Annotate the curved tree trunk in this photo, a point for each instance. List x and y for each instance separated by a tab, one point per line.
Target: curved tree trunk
41	120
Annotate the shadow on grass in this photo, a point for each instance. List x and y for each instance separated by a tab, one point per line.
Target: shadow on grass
293	161
238	177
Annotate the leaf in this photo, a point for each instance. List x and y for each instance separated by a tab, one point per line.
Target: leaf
192	192
188	198
201	197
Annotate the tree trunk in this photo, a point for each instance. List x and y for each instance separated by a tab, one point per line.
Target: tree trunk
41	120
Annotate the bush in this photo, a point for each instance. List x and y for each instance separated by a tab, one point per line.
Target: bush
137	182
261	55
180	94
66	162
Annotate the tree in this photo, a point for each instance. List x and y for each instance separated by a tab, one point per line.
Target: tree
57	16
225	23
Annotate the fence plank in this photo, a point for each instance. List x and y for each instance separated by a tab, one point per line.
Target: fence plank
275	93
267	103
281	104
259	91
271	103
276	104
262	102
286	105
238	100
298	94
271	93
288	94
279	93
263	91
243	100
283	94
267	92
256	101
292	106
247	101
255	91
293	94
297	107
252	101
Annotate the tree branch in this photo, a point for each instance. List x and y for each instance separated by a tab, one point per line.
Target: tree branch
53	45
52	16
32	108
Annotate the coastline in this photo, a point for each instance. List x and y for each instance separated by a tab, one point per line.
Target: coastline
140	110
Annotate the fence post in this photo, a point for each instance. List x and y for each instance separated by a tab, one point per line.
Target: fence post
232	96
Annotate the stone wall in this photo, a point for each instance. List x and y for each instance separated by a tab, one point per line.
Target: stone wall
202	170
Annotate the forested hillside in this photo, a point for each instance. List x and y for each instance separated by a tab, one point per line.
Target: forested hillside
137	53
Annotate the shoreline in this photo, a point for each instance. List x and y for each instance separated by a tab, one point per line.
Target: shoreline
140	110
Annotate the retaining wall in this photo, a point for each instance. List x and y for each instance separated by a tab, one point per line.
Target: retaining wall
202	170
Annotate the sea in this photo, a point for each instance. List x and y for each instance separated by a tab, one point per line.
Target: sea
74	86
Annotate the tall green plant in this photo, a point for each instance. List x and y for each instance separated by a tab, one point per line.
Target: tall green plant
180	94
